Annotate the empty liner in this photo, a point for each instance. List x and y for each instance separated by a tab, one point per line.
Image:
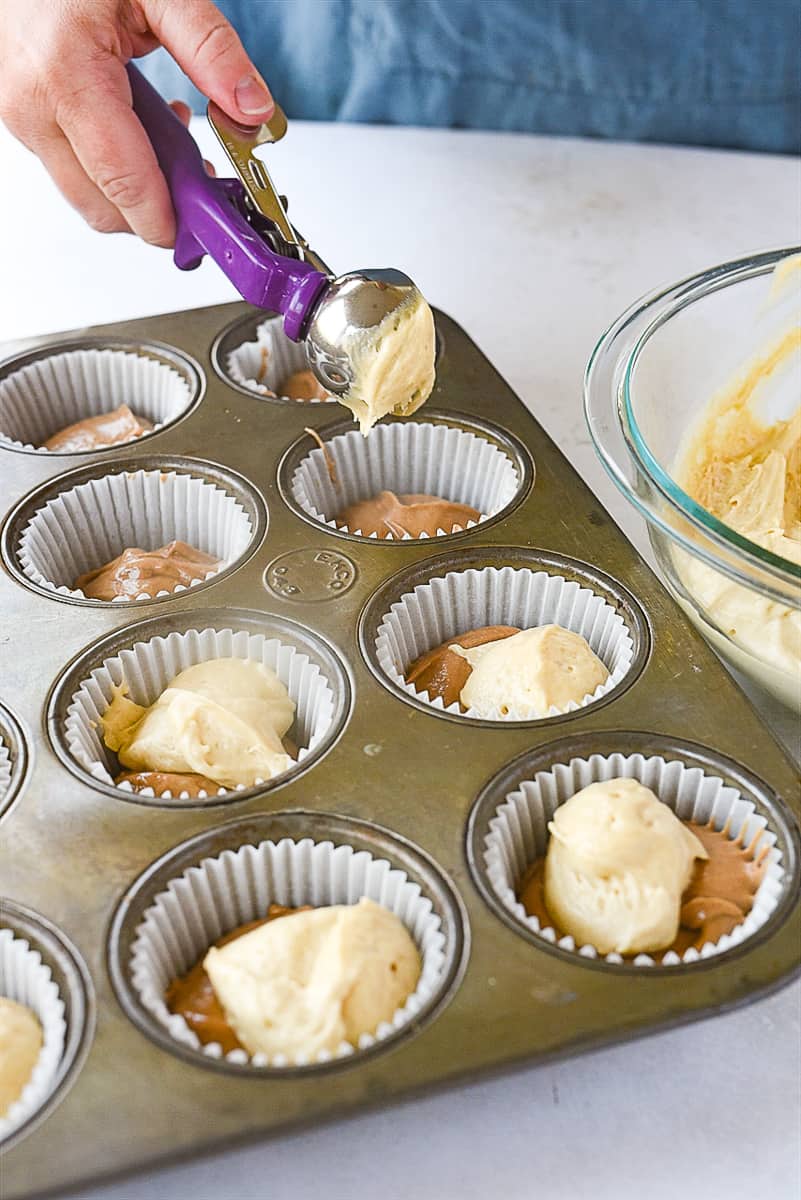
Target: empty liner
263	365
409	457
237	887
465	600
518	834
53	392
91	524
24	977
148	667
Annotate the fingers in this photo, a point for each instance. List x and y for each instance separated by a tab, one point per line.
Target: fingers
184	114
182	111
115	152
77	188
208	49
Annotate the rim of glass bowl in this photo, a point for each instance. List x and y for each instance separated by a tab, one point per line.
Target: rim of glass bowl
619	442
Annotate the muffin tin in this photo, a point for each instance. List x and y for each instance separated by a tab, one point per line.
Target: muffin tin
412	786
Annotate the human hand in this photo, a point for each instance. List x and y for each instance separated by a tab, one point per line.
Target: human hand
65	94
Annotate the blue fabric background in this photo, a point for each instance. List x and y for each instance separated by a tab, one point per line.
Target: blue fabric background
709	72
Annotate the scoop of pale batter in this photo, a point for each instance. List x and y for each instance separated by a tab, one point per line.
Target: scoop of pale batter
530	673
20	1046
315	979
617	864
222	719
442	672
106	429
393	364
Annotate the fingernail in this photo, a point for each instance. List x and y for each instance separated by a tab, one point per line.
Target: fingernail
252	97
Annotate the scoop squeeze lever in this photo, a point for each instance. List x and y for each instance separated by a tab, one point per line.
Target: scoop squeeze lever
241	223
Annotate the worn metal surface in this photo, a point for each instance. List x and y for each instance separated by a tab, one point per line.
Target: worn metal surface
71	851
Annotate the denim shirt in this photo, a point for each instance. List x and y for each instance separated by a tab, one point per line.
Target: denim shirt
708	72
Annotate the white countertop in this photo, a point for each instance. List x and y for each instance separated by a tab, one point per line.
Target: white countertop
534	245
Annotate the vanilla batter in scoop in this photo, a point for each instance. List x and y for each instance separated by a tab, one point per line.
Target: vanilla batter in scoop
393	364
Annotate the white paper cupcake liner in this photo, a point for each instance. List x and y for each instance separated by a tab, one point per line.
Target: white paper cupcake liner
518	834
5	769
209	900
465	600
264	364
409	457
148	667
51	393
24	977
91	524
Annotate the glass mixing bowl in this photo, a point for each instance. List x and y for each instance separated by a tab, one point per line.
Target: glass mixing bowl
649	379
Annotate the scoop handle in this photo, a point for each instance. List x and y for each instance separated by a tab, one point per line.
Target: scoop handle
210	221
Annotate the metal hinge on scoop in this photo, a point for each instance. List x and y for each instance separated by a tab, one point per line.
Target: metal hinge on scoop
239	143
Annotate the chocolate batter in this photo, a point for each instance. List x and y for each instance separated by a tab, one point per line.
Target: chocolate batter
168	781
193	997
263	365
138	572
303	385
92	433
717	899
412	513
440	672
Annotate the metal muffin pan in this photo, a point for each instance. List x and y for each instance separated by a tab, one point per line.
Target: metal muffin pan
289	633
498	557
68	971
149	350
509	445
234	485
15	758
361	835
394	771
750	787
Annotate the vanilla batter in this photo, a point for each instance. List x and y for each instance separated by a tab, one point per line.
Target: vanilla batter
393	364
747	473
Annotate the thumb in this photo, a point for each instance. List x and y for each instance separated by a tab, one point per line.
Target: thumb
208	49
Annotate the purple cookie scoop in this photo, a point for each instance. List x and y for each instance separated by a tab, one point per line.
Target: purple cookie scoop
210	220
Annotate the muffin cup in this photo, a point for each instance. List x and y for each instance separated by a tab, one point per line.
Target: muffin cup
55	390
148	668
518	834
24	977
15	760
262	365
238	886
464	600
5	770
91	524
405	457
